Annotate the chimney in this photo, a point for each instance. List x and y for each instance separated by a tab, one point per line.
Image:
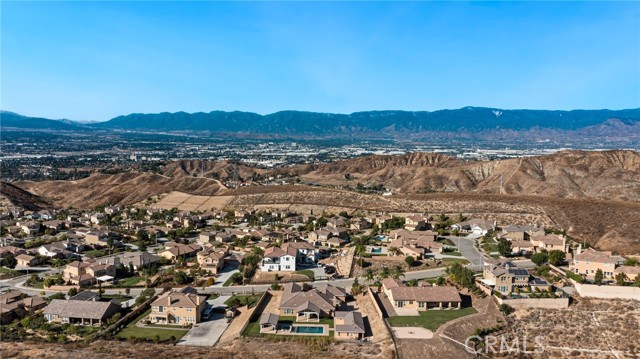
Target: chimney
169	298
579	248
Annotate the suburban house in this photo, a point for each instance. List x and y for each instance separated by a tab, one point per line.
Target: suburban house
85	273
288	256
173	250
212	259
549	242
279	259
630	272
421	298
348	325
206	237
54	250
361	224
178	308
536	242
587	262
313	304
504	277
415	223
518	232
80	312
26	260
415	244
474	226
16	305
137	260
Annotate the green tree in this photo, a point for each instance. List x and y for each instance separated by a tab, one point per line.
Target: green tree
539	258
397	271
636	282
556	257
180	278
598	277
369	275
632	262
412	283
73	291
620	278
10	261
440	281
409	260
504	247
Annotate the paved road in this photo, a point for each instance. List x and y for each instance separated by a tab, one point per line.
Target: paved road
468	250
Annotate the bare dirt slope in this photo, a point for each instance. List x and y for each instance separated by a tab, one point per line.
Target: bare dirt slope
122	188
568	174
11	195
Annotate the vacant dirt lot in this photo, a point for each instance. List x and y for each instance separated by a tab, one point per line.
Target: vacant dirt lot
590	329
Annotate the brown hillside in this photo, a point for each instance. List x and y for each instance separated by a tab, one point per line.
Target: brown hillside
11	195
567	174
123	188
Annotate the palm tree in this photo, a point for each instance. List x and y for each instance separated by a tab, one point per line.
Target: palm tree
369	275
397	271
384	273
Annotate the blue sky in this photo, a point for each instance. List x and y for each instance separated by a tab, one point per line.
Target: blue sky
91	61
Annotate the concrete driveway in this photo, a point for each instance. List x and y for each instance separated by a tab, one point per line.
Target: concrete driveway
468	250
206	334
229	269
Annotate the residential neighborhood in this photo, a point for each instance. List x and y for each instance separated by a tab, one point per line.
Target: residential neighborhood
189	277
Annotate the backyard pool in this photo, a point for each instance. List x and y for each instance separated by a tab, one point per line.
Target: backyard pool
376	250
380	238
307	329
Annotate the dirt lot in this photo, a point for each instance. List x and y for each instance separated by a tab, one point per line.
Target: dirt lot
268	277
591	329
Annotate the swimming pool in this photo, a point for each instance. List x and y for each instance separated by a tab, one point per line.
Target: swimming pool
303	329
376	250
380	238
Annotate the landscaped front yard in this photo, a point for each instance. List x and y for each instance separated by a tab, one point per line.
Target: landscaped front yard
146	333
430	319
240	300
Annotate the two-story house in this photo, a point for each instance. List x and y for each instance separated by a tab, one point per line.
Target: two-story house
587	262
178	308
212	259
279	259
505	276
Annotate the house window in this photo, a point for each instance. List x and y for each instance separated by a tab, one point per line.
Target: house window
160	309
421	304
287	267
288	311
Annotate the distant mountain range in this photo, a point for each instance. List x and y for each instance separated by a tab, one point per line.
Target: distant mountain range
391	123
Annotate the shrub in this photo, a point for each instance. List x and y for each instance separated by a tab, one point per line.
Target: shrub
506	309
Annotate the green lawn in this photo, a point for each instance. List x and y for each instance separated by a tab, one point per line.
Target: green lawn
128	282
431	319
244	299
457	254
95	253
228	282
454	260
149	333
308	273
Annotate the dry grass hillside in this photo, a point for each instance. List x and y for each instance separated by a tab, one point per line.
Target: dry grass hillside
595	196
123	188
569	174
215	169
11	195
